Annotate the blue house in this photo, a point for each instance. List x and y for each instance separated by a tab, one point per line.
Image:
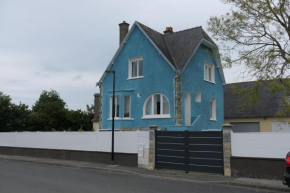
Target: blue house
172	80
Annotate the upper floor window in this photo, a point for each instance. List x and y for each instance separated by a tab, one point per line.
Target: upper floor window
212	106
156	106
209	72
135	68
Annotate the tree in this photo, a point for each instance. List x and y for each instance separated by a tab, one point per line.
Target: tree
21	114
5	112
12	117
257	32
49	113
81	120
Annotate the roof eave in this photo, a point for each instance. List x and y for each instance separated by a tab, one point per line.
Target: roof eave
216	57
122	45
160	52
117	53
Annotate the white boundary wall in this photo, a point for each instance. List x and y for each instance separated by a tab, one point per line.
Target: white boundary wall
260	145
125	141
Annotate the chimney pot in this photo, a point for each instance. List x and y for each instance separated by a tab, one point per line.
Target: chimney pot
124	28
168	30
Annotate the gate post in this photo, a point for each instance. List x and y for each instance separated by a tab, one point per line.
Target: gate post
152	139
227	130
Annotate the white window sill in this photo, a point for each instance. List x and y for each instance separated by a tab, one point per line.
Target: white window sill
156	117
132	78
209	81
213	119
121	119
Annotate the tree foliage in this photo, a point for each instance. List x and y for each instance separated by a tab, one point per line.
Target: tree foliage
12	117
255	33
49	113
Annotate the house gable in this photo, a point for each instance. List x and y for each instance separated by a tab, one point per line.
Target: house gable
177	49
196	83
158	78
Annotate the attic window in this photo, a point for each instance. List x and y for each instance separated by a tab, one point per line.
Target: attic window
209	72
135	68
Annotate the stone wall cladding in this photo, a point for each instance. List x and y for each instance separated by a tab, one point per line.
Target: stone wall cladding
101	105
178	101
227	129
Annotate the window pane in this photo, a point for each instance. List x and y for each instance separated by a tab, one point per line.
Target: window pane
209	73
134	69
148	110
165	105
126	106
141	68
211	109
111	110
205	73
117	106
157	104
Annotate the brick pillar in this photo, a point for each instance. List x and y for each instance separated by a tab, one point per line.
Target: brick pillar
227	130
151	164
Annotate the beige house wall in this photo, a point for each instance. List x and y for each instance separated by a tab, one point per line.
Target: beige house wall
265	123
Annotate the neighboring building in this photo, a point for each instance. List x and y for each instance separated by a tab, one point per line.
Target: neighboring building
259	117
172	80
96	112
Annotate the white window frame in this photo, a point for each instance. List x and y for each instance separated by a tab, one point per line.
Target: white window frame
111	104
129	107
152	116
130	67
212	109
206	72
197	97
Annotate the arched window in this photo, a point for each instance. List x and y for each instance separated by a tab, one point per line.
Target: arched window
156	106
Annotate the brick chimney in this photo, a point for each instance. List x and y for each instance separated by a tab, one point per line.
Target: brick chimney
97	107
124	28
168	30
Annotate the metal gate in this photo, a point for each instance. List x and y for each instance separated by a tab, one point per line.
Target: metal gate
198	151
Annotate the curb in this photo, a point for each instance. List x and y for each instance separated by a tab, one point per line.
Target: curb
259	187
113	170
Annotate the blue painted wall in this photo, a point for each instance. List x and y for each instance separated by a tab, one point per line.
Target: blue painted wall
193	81
158	78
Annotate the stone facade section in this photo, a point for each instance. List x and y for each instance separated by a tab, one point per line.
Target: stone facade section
227	129
151	164
178	101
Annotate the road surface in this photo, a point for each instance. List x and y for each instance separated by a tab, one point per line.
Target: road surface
20	177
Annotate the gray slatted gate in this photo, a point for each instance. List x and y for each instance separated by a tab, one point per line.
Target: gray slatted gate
198	151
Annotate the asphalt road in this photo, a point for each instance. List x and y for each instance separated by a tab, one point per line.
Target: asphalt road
19	177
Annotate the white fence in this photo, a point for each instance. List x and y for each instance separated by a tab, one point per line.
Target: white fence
260	145
125	141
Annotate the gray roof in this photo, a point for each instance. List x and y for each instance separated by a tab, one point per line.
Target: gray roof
177	47
268	104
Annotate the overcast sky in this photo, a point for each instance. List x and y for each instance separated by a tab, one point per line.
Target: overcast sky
66	45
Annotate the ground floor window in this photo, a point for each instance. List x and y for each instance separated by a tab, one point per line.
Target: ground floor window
156	105
117	107
127	106
212	113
